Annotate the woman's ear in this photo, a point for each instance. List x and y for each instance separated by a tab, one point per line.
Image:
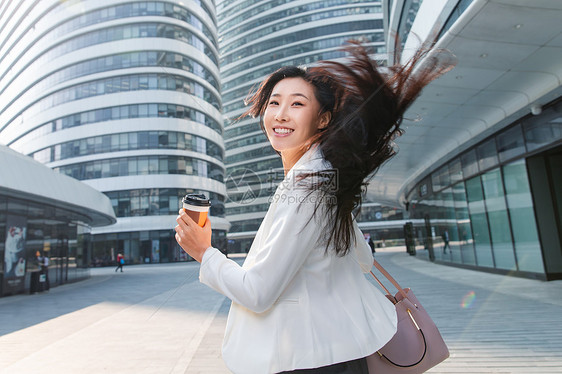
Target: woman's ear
324	120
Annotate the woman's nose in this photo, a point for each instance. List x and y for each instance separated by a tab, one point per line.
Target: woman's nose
281	115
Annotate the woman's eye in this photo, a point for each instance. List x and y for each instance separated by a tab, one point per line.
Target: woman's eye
297	103
273	102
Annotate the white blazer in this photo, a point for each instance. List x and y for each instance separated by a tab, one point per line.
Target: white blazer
294	306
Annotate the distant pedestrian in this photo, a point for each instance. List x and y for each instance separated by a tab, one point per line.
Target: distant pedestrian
35	273
45	273
371	244
120	262
445	237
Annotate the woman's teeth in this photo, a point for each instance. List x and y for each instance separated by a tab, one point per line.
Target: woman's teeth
282	131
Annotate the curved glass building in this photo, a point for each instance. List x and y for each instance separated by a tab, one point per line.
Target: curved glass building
124	96
256	38
479	171
52	219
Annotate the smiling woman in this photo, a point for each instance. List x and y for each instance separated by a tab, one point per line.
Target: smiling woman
291	118
300	301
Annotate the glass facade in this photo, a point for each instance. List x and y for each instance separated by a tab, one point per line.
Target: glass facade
409	12
158	201
124	83
117	113
53	232
143	165
382	224
290	22
519	209
144	247
128	90
129	141
253	8
255	39
116	62
120	61
483	199
130	31
317	45
459	9
298	36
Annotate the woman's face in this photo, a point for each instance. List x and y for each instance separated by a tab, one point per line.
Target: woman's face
292	115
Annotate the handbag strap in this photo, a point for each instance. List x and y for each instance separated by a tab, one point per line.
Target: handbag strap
389	277
380	284
403	293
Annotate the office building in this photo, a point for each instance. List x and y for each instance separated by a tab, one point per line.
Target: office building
255	39
125	97
479	166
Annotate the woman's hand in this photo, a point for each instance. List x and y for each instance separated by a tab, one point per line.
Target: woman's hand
193	238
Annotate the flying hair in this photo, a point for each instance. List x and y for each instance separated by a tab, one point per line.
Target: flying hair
367	105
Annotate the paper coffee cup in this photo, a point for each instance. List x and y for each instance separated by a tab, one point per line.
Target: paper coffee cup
197	207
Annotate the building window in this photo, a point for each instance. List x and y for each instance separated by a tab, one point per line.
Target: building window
466	242
124	84
469	163
479	222
299	36
158	201
487	154
143	165
500	230
520	209
511	143
127	142
541	131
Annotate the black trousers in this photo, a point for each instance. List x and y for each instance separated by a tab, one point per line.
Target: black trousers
358	366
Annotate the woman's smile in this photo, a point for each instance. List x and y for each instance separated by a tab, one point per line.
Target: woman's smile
282	131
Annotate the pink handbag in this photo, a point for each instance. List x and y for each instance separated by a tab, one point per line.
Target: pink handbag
417	345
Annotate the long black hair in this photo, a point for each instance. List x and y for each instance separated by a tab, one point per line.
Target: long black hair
367	104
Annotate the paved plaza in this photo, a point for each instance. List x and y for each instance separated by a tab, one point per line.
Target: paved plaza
160	319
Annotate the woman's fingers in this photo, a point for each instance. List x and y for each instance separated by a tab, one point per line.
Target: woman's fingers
186	218
183	218
193	239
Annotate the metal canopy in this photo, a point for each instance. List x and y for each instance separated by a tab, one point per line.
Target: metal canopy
24	178
509	60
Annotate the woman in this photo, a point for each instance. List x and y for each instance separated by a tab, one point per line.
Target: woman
301	302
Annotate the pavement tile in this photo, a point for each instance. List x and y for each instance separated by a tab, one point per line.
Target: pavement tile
160	319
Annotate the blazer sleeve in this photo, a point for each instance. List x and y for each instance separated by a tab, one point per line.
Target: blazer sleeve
292	236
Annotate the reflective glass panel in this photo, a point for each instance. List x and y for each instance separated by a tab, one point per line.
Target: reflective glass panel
469	163
523	224
455	171
499	222
511	143
544	129
466	243
449	233
440	178
555	170
487	154
479	223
